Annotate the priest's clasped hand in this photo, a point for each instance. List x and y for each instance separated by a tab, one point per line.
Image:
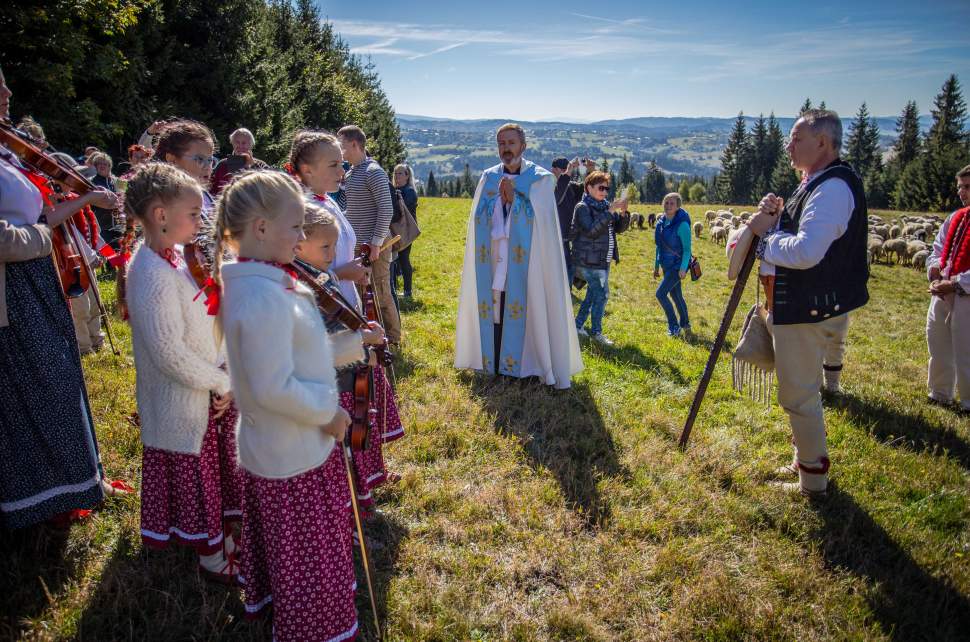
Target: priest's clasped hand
506	188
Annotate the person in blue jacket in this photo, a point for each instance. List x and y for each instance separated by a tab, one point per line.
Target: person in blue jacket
672	237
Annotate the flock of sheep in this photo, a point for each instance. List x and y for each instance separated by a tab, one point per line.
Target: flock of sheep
907	241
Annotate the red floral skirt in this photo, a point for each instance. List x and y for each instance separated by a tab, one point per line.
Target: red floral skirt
191	498
296	552
391	426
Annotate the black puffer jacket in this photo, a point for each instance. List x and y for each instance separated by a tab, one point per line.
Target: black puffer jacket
591	232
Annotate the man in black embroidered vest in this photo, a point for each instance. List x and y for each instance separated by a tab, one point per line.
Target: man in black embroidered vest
815	246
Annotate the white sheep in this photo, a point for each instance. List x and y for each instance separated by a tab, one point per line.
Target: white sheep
919	259
895	231
718	234
895	246
698	228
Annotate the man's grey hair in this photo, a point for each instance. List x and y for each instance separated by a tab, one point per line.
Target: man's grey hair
242	131
827	122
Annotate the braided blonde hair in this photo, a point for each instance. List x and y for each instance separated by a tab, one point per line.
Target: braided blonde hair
306	145
154	183
316	218
251	195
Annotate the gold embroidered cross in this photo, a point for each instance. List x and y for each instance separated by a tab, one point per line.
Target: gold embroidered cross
515	311
483	253
483	310
510	364
518	254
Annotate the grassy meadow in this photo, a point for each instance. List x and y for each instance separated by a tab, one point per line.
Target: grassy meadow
526	513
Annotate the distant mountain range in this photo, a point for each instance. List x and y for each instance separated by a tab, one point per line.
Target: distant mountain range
679	145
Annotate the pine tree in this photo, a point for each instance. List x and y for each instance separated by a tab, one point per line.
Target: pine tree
653	185
784	179
774	150
431	185
927	183
735	182
626	172
862	145
467	182
805	106
821	105
907	144
949	113
761	156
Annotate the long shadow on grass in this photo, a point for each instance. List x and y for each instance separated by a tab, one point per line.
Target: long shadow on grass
561	430
909	603
919	432
159	595
633	355
32	566
391	534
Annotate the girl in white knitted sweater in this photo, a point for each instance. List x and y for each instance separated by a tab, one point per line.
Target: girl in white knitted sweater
296	524
191	486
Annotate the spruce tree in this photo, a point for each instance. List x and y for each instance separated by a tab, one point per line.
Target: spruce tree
949	113
762	160
784	180
907	144
467	182
862	145
626	172
927	183
735	181
652	187
431	185
805	106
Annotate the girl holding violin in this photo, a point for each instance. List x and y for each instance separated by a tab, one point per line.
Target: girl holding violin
296	542
316	161
355	380
47	437
191	486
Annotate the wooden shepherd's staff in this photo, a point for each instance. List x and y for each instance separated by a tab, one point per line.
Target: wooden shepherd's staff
732	307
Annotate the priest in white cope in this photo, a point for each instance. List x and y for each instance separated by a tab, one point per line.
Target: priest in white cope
514	311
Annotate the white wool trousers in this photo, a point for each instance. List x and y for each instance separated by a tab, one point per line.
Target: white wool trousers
800	350
948	340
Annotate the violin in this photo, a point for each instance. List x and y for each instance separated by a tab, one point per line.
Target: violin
75	279
331	304
369	298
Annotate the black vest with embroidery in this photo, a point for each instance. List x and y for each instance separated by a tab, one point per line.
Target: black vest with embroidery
837	284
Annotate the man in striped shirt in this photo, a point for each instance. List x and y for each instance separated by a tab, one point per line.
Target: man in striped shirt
369	211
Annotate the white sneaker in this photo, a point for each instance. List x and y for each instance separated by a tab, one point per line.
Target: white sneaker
582	333
602	339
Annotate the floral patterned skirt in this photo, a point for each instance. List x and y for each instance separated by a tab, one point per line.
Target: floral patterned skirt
192	498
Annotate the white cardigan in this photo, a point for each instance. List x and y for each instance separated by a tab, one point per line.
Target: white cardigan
282	366
176	355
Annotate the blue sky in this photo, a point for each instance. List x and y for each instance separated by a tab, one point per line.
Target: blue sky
617	59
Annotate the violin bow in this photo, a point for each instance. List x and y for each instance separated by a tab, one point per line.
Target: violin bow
93	278
360	535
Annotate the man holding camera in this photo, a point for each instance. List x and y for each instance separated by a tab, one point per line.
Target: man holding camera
567	193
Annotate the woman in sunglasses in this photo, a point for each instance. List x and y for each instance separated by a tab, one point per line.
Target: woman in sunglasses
596	222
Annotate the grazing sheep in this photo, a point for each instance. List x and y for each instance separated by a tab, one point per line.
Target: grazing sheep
920	235
895	246
698	228
745	217
919	259
894	232
735	222
882	231
874	245
912	247
710	215
652	220
909	229
718	234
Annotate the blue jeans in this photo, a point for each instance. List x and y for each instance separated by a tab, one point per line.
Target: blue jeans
670	289
597	291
